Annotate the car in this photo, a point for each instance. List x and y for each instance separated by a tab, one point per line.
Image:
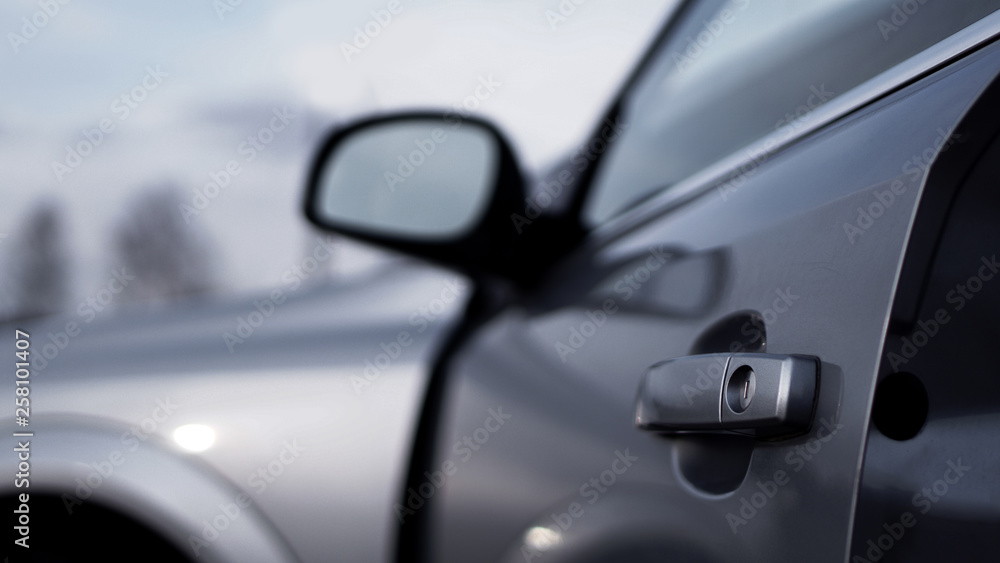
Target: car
747	319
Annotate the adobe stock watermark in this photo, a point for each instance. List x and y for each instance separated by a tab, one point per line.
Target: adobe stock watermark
213	527
793	122
796	459
266	474
249	149
410	163
87	310
899	16
549	191
562	13
713	29
32	25
914	168
131	439
463	450
626	287
461	110
957	297
421	319
415	159
366	33
786	127
121	108
292	278
225	7
708	380
540	539
924	501
867	215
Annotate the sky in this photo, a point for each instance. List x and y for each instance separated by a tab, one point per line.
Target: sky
185	89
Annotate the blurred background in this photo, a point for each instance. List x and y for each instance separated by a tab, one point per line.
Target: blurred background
166	144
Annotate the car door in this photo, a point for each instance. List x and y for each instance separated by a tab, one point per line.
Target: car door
752	192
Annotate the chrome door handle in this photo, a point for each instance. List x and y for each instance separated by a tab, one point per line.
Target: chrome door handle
763	395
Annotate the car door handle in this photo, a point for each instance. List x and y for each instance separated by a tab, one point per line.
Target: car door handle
762	395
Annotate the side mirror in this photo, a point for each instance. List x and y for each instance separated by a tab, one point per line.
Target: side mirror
440	188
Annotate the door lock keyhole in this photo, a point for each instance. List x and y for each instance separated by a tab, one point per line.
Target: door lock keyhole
740	390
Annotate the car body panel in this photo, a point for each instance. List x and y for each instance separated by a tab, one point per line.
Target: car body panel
292	400
929	487
777	244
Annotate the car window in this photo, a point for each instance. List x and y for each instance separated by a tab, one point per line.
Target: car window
733	72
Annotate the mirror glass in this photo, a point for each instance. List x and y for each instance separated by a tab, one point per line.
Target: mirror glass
422	178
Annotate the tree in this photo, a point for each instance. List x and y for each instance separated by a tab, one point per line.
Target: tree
168	258
36	276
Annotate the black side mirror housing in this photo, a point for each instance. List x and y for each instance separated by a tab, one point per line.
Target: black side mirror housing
443	189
